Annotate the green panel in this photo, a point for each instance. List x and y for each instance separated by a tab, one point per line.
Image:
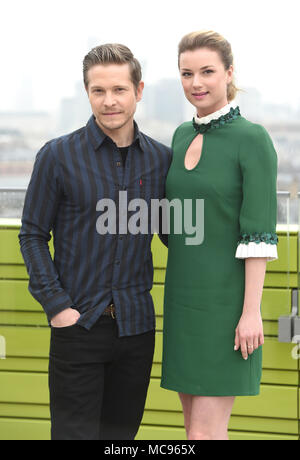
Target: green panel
283	264
157	293
15	296
158	347
159	323
278	355
163	418
161	399
270	328
33	411
281	280
26	341
258	424
159	275
275	303
24	430
240	436
9	247
155	371
278	377
19	387
274	401
10	252
157	433
23	318
24	364
167	433
13	272
160	253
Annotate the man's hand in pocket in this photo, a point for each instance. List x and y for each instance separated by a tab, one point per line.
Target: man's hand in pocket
65	318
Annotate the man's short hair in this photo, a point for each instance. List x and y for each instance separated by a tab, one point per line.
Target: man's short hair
112	53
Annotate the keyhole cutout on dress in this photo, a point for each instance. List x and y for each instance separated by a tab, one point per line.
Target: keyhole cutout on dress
193	153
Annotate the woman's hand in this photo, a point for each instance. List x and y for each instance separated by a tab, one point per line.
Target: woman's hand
249	333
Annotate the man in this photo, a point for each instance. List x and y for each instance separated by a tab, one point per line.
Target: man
96	292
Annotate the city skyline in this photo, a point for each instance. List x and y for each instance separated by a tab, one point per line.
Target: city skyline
43	45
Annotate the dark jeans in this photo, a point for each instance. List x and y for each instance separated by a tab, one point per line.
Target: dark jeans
98	382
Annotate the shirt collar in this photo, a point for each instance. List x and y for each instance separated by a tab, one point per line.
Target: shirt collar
97	136
214	116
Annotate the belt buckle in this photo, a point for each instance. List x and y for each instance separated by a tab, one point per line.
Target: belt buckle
111	311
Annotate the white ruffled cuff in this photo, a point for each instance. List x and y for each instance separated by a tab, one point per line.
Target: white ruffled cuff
257	250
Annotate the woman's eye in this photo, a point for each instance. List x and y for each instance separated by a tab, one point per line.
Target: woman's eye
208	71
186	74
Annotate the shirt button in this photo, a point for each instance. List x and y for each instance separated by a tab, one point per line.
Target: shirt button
118	163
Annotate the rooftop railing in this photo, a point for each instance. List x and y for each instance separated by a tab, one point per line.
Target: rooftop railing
12	202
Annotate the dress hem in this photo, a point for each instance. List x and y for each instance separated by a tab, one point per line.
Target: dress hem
215	394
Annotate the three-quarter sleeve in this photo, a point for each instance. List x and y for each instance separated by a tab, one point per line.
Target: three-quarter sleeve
258	213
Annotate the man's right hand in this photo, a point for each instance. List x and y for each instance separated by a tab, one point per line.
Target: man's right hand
65	318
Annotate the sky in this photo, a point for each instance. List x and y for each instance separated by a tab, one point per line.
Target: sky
42	44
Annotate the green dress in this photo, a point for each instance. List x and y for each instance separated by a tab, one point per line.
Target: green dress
205	283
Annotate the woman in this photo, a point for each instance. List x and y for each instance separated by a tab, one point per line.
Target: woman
213	329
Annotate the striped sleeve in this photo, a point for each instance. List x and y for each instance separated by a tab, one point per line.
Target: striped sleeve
39	212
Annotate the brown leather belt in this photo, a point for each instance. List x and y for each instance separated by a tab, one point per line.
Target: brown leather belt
110	311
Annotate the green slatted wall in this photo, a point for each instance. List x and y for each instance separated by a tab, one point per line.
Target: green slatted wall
24	410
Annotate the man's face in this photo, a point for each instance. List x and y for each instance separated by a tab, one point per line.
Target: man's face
112	95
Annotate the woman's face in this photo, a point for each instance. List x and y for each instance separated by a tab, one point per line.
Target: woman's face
204	80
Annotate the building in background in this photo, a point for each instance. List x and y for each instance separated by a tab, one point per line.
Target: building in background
161	110
74	112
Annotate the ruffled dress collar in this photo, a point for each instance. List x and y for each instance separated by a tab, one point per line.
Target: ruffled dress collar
215	120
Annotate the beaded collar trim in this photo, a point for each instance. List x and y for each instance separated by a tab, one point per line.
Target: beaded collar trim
214	115
232	115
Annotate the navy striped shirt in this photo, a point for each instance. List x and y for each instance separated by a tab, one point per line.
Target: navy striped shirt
70	175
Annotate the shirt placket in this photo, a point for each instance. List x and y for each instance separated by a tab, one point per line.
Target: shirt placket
123	178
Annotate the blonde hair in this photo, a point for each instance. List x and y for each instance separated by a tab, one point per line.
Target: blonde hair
216	42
